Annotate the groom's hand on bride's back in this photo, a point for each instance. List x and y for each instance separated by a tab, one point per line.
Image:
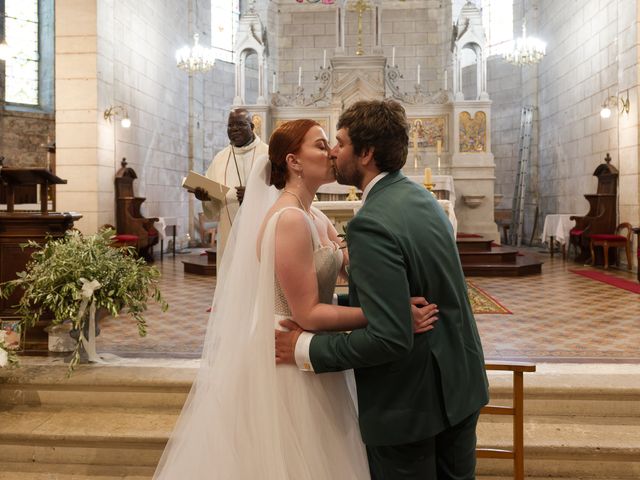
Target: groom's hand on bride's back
286	342
424	314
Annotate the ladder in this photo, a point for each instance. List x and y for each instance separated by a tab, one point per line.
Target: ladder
524	154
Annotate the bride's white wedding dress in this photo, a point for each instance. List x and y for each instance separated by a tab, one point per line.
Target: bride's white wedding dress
245	418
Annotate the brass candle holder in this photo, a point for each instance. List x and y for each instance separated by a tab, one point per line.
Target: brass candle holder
429	186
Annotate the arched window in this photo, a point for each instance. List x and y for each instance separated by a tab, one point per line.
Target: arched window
22	35
497	20
224	24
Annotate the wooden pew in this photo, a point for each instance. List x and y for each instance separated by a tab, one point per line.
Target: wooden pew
516	410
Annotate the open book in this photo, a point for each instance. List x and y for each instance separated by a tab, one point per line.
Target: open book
194	180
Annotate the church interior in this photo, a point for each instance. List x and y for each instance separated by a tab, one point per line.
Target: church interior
524	124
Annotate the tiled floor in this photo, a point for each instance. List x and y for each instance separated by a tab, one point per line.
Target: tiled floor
557	316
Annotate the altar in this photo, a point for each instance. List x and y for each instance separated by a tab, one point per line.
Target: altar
340	212
449	130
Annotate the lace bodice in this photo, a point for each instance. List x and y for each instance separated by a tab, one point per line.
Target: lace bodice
328	261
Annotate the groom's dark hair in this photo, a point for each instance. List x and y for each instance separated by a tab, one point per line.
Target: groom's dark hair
381	125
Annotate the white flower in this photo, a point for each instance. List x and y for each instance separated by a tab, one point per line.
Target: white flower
3	334
4	357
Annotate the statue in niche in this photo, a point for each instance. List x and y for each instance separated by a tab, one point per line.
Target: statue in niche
473	132
257	125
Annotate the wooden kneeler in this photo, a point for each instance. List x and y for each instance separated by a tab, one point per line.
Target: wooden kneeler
516	410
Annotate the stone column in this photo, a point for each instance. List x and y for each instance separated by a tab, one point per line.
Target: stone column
84	139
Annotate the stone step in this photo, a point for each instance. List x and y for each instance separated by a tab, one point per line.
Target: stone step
474	244
108	436
49	471
553	390
556	390
524	265
495	256
577	425
91	385
565	446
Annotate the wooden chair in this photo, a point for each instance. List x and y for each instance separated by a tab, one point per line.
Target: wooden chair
516	410
207	229
603	211
503	218
121	240
615	240
129	219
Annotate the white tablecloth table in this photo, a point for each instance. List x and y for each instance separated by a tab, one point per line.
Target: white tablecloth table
441	182
556	228
161	225
340	212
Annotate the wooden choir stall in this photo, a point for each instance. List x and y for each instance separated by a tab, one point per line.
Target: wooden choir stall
602	214
19	226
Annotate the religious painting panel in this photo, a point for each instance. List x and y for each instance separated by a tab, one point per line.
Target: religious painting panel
426	132
473	132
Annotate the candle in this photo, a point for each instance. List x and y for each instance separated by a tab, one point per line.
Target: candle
427	176
274	85
445	80
418	74
299	76
438	164
393	57
439	146
324	59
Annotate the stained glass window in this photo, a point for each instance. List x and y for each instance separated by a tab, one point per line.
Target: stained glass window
21	34
224	23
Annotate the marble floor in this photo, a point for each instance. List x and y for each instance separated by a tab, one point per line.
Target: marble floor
556	317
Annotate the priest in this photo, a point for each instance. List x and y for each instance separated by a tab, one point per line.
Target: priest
231	167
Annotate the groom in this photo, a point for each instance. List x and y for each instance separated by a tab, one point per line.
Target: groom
419	396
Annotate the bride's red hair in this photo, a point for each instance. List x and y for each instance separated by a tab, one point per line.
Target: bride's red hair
286	139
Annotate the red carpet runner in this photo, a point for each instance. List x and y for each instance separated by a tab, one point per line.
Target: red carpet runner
610	279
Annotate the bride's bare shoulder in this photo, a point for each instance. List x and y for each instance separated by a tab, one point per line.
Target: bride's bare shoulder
290	221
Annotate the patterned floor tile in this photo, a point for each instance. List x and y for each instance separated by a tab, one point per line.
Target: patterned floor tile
557	316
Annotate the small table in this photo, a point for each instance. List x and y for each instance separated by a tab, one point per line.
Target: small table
340	212
161	225
556	228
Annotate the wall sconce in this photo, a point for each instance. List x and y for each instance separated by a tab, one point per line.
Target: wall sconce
615	102
5	51
116	110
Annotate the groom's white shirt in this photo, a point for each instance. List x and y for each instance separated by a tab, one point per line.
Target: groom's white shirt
303	359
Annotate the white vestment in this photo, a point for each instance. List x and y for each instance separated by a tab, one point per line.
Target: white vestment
223	170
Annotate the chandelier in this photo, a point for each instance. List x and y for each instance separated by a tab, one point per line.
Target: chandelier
525	50
195	59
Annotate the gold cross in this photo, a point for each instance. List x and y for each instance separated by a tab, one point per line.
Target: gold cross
359	6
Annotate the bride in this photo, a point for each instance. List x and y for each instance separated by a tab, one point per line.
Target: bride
245	418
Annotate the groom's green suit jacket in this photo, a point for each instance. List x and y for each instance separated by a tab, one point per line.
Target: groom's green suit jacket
410	387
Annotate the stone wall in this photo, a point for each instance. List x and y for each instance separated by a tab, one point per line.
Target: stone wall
23	137
593	54
122	54
419	31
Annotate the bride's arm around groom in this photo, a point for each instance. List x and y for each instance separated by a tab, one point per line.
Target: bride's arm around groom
419	394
